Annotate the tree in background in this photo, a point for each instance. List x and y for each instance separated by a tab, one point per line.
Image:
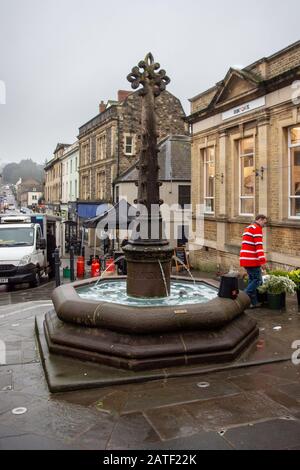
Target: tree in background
26	169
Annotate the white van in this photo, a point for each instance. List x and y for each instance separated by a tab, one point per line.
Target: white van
23	248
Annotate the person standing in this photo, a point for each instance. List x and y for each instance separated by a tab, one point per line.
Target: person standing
105	241
252	257
51	245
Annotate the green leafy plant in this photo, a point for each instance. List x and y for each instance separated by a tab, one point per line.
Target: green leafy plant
278	285
278	273
295	277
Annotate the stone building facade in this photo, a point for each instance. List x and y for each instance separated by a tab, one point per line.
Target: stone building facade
110	143
53	179
246	160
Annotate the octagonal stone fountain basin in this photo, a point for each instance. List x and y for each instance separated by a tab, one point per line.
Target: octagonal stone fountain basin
192	326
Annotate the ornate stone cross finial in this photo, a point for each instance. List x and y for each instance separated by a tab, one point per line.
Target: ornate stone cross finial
149	76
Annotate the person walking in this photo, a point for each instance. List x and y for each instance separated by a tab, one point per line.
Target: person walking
252	257
105	241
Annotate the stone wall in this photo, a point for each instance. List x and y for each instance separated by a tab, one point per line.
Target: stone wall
269	127
127	121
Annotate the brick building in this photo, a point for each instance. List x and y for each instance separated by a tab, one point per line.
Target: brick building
109	144
246	160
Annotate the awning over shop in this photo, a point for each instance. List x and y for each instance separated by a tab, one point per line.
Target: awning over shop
87	211
119	216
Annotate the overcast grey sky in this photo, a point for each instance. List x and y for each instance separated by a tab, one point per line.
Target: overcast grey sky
59	58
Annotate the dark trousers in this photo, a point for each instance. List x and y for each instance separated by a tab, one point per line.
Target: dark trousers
255	280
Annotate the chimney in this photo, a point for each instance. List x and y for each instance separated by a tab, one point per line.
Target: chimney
102	107
122	95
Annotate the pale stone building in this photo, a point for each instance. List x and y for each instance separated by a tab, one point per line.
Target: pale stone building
53	180
70	178
246	160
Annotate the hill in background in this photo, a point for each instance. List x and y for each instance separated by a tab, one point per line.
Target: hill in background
26	169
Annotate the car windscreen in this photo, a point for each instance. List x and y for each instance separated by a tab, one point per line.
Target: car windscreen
16	236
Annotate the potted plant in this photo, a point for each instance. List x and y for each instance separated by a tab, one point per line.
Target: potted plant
276	288
295	277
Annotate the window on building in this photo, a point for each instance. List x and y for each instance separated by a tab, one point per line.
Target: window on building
128	144
76	195
294	172
70	196
209	180
246	176
85	187
71	166
100	183
101	147
85	153
184	195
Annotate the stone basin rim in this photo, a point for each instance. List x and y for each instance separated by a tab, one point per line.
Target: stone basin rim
71	308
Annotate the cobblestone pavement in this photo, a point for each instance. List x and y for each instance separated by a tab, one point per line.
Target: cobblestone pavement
248	408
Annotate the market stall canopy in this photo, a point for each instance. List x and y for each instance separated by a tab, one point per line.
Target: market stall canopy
119	216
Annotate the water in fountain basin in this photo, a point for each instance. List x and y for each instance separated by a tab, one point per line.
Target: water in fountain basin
182	293
102	275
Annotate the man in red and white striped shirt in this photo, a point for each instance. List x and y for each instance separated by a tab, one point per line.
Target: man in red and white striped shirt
252	257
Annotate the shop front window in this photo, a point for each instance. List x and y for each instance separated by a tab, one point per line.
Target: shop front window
294	172
247	176
209	180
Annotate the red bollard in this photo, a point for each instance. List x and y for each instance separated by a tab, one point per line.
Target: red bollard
80	266
110	265
95	270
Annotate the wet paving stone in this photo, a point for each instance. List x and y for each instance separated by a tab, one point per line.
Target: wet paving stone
107	400
235	410
5	380
277	434
251	382
30	379
31	442
97	436
52	420
292	390
12	399
285	370
266	348
199	441
23	294
172	422
289	402
132	432
171	394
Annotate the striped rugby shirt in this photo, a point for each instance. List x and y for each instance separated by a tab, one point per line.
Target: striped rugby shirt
252	252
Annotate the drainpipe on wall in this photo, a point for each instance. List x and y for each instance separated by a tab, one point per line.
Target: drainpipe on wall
118	146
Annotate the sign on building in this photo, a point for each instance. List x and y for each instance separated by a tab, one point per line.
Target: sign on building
244	108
